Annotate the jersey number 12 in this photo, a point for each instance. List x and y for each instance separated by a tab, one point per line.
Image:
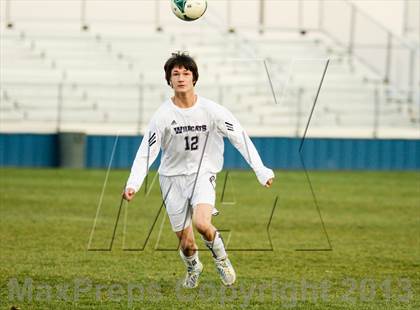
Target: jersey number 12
193	145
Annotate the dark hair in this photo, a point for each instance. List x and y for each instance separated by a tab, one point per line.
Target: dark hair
180	59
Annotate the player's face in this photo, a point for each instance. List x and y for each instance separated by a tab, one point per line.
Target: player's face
182	80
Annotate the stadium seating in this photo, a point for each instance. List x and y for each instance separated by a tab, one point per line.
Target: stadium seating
110	79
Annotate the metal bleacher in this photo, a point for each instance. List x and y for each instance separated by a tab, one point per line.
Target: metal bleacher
110	80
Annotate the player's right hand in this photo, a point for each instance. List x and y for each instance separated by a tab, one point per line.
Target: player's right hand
128	194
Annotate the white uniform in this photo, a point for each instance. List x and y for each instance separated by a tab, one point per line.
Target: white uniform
191	140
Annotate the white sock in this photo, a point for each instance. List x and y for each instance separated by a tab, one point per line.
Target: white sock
190	261
216	247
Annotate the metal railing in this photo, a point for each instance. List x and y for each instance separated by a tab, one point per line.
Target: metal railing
58	102
377	47
361	37
366	40
411	20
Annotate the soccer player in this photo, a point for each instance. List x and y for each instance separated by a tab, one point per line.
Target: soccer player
190	129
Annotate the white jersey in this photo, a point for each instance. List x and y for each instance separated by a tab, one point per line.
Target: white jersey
191	140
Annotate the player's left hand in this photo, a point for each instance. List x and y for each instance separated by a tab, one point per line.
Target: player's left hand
269	182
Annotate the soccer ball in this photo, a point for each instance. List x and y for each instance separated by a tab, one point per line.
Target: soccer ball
189	10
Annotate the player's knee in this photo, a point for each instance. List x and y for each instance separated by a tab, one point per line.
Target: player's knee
202	226
187	242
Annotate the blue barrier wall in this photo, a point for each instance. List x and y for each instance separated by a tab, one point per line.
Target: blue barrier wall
40	150
28	150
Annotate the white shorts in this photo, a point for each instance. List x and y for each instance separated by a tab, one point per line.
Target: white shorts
180	200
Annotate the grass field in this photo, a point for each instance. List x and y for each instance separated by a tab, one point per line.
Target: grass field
372	220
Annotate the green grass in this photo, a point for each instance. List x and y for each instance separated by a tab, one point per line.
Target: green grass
372	219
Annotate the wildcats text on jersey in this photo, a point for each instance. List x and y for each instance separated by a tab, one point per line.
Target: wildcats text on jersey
181	129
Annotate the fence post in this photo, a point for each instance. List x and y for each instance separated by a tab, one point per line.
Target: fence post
157	16
262	16
59	105
388	58
230	28
376	113
9	23
300	18
298	110
411	75
83	23
352	29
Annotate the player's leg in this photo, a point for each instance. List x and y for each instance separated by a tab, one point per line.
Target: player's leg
189	255
202	222
186	241
179	213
